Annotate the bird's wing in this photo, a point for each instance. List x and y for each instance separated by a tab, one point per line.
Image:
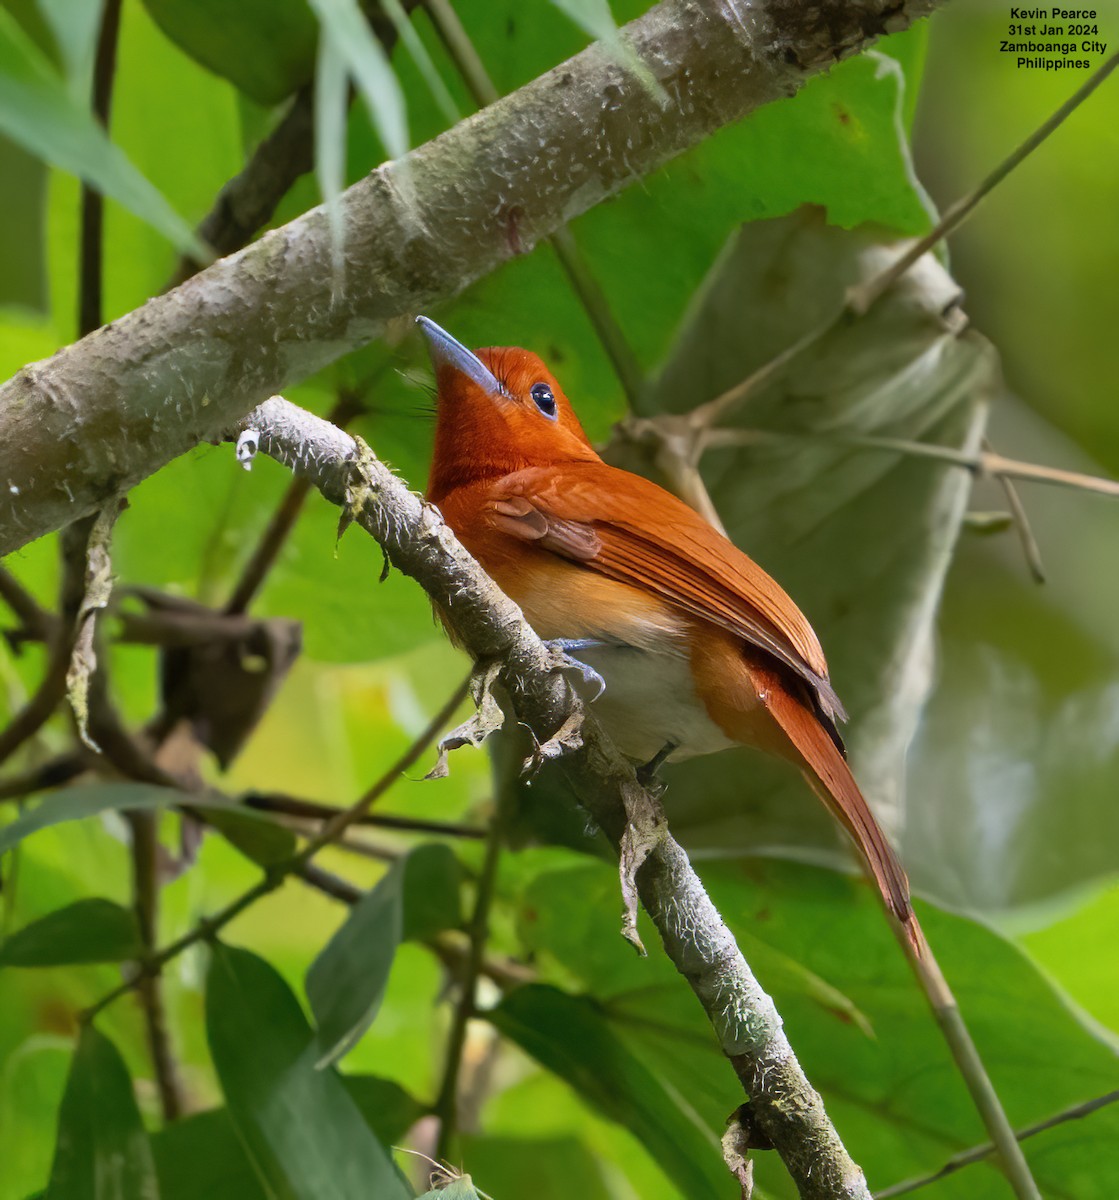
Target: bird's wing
642	535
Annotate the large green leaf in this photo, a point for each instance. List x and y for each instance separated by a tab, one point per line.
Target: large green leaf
572	1037
860	1025
861	539
38	113
416	897
302	1131
202	1155
103	1152
87	931
265	47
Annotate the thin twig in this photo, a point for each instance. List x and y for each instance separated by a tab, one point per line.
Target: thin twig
861	297
92	204
277	873
469	65
52	687
447	1101
977	1153
52	774
984	463
312	809
36	623
1031	551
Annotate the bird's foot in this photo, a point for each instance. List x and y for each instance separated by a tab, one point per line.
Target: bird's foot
647	772
562	648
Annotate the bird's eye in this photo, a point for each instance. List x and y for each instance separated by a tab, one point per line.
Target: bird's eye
545	401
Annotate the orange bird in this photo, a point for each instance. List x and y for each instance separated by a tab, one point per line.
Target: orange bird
695	647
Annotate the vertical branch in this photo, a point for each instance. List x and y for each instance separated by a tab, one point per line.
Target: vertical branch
143	826
447	1102
93	204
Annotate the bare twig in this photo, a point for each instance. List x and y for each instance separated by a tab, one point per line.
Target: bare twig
986	463
275	802
53	773
861	297
447	1101
1030	549
92	204
36	623
277	873
979	1153
52	687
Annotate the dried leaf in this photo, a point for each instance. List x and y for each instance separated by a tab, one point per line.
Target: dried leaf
98	590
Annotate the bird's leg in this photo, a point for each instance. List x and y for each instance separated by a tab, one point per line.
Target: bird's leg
647	772
563	648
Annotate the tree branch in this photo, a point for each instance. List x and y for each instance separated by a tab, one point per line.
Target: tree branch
491	627
106	412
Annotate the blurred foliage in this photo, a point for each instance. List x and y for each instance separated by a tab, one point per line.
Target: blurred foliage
598	1075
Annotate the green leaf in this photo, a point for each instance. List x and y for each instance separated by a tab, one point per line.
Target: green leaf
74	804
103	1152
388	1109
302	1131
571	1036
87	931
346	982
342	23
417	897
38	113
201	1155
251	832
257	837
266	48
23	181
432	899
877	1056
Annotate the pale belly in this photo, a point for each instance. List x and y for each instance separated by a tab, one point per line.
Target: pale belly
650	701
650	697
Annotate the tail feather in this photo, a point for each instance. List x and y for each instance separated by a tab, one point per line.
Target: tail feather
831	779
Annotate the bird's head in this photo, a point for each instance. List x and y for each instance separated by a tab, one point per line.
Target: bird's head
499	410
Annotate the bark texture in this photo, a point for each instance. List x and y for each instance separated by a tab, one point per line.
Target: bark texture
109	410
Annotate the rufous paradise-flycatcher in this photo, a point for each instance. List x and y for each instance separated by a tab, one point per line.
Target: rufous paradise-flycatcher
696	647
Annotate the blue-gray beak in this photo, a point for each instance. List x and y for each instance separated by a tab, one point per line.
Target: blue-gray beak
445	351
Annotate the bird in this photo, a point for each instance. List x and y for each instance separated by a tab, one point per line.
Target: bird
692	646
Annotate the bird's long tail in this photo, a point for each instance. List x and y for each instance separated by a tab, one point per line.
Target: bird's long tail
831	779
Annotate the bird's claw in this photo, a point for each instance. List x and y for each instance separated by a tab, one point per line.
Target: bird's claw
562	648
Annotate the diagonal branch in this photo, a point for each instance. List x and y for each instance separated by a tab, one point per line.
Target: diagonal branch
109	410
783	1103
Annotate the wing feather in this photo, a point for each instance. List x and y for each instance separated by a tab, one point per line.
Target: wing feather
644	536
